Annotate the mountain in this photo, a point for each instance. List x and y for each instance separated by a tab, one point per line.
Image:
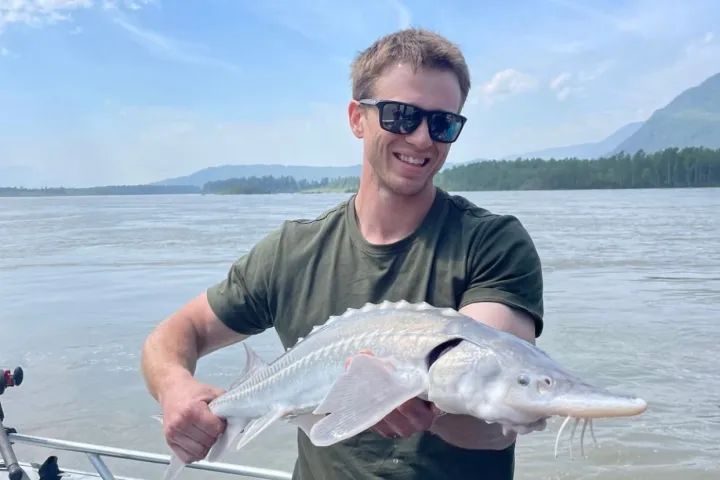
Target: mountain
225	172
585	150
692	119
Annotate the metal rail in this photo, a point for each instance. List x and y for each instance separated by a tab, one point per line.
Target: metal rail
95	452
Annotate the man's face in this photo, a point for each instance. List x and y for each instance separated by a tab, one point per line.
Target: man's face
405	164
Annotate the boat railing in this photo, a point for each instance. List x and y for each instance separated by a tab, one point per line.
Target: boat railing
95	454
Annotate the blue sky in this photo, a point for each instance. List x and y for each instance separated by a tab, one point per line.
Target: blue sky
131	91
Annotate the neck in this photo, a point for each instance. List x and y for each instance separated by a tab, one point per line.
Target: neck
385	217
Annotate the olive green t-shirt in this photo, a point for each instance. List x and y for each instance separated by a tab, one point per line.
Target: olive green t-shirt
308	270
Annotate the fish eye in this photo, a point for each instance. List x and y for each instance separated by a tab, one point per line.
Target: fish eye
523	380
548	381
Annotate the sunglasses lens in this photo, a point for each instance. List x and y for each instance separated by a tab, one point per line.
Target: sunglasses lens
445	127
400	118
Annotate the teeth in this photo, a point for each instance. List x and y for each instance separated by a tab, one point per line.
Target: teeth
411	160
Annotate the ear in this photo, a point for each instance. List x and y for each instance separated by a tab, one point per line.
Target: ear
356	117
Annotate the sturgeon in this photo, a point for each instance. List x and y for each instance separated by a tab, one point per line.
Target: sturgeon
416	350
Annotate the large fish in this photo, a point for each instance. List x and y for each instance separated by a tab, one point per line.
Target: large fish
416	350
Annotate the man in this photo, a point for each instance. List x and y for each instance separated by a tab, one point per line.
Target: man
398	238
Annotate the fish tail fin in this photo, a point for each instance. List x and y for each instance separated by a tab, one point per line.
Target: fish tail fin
174	469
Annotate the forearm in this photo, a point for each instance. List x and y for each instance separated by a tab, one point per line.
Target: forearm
169	354
172	350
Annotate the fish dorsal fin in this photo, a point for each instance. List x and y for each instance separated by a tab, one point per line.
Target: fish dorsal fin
253	363
402	305
388	305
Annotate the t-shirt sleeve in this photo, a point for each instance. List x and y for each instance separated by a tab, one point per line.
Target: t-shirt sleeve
241	300
504	267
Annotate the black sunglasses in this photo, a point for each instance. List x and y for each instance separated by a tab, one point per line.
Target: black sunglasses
403	118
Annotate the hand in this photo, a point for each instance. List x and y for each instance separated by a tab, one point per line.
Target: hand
472	433
189	426
411	417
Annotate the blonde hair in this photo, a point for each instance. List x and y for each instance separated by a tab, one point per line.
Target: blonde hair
417	47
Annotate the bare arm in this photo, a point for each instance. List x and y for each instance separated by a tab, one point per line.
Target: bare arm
171	351
169	358
502	317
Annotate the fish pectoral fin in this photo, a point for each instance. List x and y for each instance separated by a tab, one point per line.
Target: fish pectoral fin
306	421
370	389
257	425
240	432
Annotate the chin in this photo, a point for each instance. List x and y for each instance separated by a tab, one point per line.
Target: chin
409	188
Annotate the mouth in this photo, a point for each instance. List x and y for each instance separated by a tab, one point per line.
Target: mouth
412	160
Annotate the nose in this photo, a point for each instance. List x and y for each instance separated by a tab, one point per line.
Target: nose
420	138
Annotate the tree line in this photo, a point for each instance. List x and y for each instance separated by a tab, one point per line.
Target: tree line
283	184
669	168
672	167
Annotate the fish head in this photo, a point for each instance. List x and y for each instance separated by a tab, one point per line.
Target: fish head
510	381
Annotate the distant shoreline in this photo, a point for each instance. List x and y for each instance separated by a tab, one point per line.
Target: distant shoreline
31	193
97	191
670	168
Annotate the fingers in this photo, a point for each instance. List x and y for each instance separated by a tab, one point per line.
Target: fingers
383	429
188	449
418	413
409	418
182	454
193	431
211	393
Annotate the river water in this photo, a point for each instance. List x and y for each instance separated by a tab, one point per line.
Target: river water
632	296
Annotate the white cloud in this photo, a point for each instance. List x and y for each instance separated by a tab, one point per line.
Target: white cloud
335	21
697	45
507	83
128	4
403	12
562	79
319	20
563	86
171	49
4	52
564	92
38	12
47	12
567	84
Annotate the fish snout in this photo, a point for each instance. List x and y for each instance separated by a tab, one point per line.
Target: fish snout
594	403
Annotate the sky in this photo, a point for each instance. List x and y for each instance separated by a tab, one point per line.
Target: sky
98	92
